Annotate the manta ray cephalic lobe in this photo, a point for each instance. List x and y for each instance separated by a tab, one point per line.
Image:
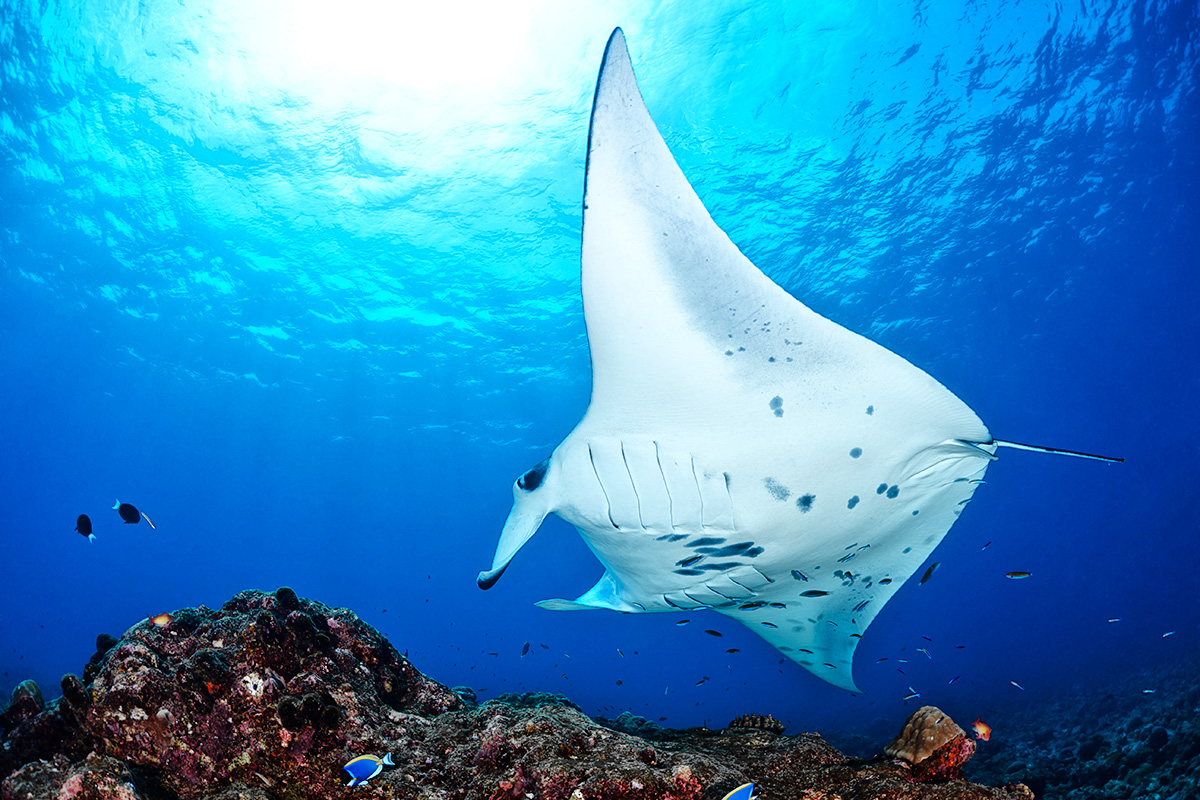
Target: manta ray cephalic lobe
740	452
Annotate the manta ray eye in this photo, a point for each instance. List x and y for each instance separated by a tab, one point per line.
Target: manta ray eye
533	479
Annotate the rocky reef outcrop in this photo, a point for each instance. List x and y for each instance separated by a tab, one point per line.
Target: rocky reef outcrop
269	696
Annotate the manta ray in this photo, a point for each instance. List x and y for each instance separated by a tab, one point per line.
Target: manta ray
740	452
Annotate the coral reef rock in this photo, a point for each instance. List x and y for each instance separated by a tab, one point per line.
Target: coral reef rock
933	744
267	697
763	722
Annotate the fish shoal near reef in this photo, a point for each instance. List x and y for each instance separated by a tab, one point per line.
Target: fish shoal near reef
275	694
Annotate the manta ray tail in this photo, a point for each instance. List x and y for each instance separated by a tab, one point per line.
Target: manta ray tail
1055	451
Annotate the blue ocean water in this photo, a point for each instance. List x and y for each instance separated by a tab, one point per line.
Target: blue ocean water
304	286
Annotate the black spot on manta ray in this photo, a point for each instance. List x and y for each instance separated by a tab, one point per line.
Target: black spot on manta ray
805	502
706	541
870	410
728	352
777	405
892	491
916	511
747	549
688	572
882	488
720	567
855	452
777	490
771	359
853	502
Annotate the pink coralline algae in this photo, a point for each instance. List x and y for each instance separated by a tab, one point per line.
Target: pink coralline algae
267	697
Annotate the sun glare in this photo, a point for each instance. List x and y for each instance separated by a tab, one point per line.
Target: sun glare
464	47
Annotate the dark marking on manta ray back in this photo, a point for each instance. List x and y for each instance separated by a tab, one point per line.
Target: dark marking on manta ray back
805	502
870	410
777	490
777	405
728	352
706	541
771	359
853	502
882	488
688	572
855	452
892	491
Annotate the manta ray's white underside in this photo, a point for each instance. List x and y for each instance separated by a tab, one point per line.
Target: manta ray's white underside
740	452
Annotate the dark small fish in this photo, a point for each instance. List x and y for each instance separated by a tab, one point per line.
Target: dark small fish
880	660
778	605
1019	686
960	647
861	605
702	680
622	655
798	575
128	512
885	581
856	636
846	558
1018	575
733	650
813	593
524	649
84	526
926	638
952	680
929	572
751	606
986	546
804	650
773	625
900	670
683	622
713	633
687	562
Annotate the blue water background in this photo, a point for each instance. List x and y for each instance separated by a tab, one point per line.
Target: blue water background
303	286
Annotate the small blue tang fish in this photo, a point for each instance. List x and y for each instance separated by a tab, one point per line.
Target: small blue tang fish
363	768
743	792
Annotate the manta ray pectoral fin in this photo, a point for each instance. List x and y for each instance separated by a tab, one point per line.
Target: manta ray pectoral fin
606	594
530	507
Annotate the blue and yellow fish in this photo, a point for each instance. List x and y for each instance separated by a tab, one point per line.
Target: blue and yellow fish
743	792
363	768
